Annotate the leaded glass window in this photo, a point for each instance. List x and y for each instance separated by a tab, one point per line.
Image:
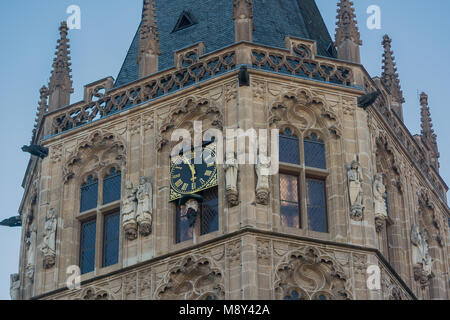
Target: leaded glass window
210	211
111	186
289	148
316	202
89	194
289	198
111	239
315	153
87	254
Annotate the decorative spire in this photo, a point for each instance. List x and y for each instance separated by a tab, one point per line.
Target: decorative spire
390	76
42	109
243	20
149	48
347	38
60	86
428	134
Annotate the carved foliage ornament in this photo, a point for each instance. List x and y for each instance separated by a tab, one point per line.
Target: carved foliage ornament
309	274
95	152
192	278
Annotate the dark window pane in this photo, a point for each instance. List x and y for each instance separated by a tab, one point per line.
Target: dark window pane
111	240
289	148
184	231
289	201
87	252
89	195
315	153
210	211
111	187
317	209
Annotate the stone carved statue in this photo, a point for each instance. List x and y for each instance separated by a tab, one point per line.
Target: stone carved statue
14	288
356	194
48	246
262	187
31	247
231	174
144	212
379	196
421	256
129	206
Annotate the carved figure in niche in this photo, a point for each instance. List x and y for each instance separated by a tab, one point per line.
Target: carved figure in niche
144	197
231	174
355	179
379	196
48	246
14	289
31	247
262	187
129	205
421	256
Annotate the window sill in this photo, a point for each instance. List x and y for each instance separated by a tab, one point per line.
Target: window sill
305	233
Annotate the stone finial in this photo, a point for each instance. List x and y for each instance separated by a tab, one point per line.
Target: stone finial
428	135
60	86
149	48
42	109
347	38
243	20
390	76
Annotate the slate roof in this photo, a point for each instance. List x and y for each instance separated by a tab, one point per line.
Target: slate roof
273	19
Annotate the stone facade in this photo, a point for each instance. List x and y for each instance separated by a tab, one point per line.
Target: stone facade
251	256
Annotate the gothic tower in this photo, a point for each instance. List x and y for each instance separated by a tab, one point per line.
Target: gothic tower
124	198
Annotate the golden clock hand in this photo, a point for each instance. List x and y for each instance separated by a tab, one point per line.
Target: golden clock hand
191	167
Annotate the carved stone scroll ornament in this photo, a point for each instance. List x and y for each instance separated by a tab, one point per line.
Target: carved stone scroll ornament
421	256
48	246
14	289
309	274
379	196
262	187
355	178
144	212
129	206
231	175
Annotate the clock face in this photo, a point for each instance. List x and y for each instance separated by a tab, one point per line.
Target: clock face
187	177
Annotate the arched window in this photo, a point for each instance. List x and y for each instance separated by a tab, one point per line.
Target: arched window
315	152
289	148
100	207
89	194
307	173
111	186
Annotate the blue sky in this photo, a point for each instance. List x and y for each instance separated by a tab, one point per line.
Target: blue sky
28	30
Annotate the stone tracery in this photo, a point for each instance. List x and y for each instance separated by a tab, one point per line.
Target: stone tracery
309	274
192	278
96	152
